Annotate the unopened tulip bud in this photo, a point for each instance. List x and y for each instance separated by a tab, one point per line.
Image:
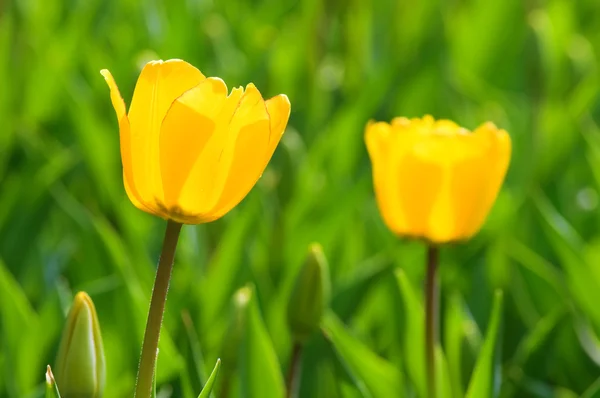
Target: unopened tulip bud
310	296
237	325
80	365
51	389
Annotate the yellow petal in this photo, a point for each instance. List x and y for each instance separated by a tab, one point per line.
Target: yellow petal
447	127
125	144
496	165
448	148
185	131
419	183
378	138
115	94
256	141
133	198
459	155
468	183
249	127
278	108
159	84
400	122
202	187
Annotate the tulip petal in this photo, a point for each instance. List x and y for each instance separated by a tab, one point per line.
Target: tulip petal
125	143
202	188
419	185
378	137
278	109
496	165
468	183
243	157
254	147
185	131
159	84
115	94
461	156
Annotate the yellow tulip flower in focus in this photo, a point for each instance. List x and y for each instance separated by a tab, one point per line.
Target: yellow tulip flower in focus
433	179
191	151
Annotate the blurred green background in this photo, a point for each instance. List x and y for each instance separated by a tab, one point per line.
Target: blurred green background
66	224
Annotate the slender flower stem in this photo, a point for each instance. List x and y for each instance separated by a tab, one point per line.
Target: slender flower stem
294	370
157	308
431	315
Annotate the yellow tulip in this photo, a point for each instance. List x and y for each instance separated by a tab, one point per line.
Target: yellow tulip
191	151
433	179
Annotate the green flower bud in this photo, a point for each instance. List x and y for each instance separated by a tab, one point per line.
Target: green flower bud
51	389
233	337
80	365
237	324
310	296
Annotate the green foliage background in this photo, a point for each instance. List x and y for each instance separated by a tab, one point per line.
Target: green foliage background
66	224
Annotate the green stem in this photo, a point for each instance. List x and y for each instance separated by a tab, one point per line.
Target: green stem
431	315
294	369
147	363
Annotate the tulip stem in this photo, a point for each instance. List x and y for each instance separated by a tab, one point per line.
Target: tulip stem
431	317
147	363
294	370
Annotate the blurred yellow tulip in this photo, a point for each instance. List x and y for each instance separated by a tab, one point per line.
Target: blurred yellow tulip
190	151
433	179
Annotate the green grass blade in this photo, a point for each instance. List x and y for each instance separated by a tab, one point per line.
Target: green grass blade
593	391
211	381
18	322
453	341
413	340
374	376
260	373
482	383
583	278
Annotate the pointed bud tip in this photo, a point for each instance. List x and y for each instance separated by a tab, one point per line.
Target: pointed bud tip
49	376
315	248
243	296
83	296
